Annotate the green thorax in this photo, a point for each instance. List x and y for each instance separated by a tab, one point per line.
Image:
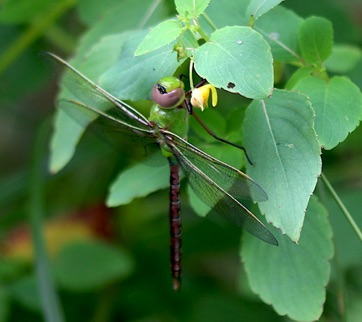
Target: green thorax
174	120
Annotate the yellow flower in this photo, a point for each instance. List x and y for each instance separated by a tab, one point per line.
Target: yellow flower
200	96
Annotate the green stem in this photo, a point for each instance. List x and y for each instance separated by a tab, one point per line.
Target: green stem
35	30
49	300
210	22
149	13
191	67
342	207
251	22
202	34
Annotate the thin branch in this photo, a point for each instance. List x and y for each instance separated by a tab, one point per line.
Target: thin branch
342	207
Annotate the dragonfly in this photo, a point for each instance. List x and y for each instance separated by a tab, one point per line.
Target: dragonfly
215	183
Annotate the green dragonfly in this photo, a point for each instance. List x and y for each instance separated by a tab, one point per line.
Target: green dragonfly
216	183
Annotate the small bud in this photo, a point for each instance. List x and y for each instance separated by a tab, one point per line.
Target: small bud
200	96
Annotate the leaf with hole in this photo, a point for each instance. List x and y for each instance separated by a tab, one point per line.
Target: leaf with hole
237	55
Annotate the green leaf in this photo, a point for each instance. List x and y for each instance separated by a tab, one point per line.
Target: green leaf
298	75
337	105
280	33
132	78
237	59
91	12
86	265
282	144
159	36
136	182
343	59
191	9
292	277
224	13
104	54
126	16
66	135
316	40
257	8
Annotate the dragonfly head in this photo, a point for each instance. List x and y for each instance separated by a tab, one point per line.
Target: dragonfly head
168	92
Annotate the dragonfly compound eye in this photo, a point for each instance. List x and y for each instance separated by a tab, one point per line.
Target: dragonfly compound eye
167	99
161	89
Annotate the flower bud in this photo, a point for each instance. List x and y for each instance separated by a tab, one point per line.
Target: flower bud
200	96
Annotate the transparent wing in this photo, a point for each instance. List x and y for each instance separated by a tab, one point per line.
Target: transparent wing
237	183
89	94
107	126
215	183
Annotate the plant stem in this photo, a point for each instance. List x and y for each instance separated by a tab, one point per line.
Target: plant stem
342	207
191	68
211	23
51	308
148	13
202	34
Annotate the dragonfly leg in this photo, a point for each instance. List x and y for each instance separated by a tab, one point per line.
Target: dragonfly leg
190	110
175	224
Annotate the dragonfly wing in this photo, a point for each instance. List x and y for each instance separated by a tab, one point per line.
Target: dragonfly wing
91	95
212	193
107	127
235	182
